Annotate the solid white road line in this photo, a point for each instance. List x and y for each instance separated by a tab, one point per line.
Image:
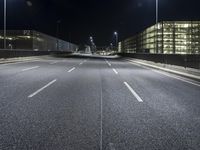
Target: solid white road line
115	71
23	62
101	120
166	74
133	92
178	78
52	63
72	69
166	69
81	63
139	65
38	91
27	69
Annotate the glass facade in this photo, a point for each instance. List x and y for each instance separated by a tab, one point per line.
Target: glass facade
35	41
167	37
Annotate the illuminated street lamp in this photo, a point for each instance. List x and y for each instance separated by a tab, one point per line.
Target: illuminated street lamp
116	38
91	38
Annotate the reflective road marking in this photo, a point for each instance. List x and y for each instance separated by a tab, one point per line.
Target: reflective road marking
115	71
133	92
27	69
72	69
38	91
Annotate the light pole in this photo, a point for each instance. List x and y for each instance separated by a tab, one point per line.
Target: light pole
5	20
57	34
116	36
92	43
156	11
156	26
4	32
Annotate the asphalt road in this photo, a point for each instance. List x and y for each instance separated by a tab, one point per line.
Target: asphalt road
91	103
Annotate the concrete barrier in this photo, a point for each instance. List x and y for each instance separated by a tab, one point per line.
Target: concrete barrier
187	61
26	53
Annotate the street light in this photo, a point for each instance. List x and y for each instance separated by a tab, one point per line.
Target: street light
29	3
57	28
156	26
4	32
156	11
116	37
57	34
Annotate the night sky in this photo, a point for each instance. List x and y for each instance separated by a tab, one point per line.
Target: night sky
98	18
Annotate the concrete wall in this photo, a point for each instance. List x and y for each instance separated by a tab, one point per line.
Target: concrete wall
190	61
27	53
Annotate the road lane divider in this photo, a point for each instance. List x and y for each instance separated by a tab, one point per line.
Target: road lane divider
27	69
72	69
52	63
133	92
41	89
81	63
109	64
115	71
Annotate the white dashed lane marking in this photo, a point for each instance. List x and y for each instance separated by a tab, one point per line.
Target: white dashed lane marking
133	92
41	89
27	69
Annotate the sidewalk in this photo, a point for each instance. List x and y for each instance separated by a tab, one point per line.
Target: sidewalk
185	72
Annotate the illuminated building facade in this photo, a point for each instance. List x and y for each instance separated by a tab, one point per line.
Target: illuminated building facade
167	37
34	41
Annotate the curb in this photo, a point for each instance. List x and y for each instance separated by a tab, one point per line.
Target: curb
191	76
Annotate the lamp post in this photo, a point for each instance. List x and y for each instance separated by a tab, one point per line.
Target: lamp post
57	34
156	11
116	37
91	43
4	32
157	26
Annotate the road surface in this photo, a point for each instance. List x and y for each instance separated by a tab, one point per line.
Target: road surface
91	103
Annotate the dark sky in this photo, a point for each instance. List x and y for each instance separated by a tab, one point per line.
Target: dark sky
99	18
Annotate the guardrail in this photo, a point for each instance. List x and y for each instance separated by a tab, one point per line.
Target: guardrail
187	61
26	53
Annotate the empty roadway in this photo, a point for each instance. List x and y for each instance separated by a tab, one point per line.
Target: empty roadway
97	103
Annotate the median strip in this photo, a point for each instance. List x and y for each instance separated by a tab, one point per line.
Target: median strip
133	92
27	69
41	89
